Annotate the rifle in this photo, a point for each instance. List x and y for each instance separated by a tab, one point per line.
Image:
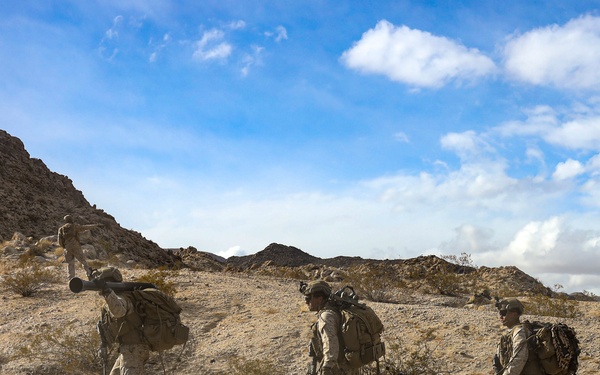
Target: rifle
312	367
103	351
497	365
346	295
78	285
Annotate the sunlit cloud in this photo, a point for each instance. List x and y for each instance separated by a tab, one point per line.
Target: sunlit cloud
415	57
565	56
568	169
212	47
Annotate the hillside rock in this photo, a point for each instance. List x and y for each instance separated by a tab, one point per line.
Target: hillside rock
35	200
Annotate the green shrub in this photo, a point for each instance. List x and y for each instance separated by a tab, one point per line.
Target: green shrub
28	281
241	366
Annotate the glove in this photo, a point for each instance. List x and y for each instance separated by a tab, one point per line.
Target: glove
101	285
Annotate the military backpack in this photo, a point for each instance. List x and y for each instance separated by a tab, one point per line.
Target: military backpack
361	329
156	321
556	345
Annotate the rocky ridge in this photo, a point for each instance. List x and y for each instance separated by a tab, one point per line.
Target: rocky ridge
35	200
243	307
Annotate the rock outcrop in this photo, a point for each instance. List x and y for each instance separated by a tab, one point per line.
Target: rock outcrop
34	201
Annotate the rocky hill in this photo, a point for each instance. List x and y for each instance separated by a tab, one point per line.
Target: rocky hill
243	310
34	201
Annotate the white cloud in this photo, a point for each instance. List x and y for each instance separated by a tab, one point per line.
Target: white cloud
237	25
212	47
568	169
570	129
281	33
401	137
250	60
415	57
593	164
113	32
564	56
469	239
467	145
232	251
536	239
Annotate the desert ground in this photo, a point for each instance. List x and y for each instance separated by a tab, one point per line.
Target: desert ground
245	317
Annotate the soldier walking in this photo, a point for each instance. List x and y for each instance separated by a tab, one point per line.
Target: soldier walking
68	238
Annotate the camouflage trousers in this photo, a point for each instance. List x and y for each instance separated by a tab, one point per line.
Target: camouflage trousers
72	253
131	360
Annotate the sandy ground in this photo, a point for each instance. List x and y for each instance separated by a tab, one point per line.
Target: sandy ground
251	317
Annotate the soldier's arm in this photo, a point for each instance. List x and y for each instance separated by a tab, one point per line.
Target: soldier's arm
328	327
520	352
117	305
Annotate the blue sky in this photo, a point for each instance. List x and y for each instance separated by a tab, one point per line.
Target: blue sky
386	129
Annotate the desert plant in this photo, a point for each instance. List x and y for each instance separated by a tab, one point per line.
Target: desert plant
560	307
68	349
29	280
372	283
417	359
242	366
463	260
160	279
448	283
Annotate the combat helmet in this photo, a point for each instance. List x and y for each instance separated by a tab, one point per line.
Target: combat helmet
108	274
510	304
314	287
68	219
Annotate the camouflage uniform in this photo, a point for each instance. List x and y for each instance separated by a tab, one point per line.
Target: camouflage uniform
516	356
328	344
327	347
68	238
132	353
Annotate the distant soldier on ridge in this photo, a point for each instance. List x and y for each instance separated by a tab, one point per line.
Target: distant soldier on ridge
68	238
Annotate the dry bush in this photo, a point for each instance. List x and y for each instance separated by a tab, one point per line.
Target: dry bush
282	272
560	307
67	350
417	359
29	280
242	366
374	284
449	283
159	278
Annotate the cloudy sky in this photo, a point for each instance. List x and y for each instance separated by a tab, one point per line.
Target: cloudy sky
392	130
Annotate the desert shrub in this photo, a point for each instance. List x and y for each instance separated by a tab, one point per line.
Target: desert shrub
449	283
242	366
282	272
160	279
463	260
417	359
29	280
96	263
560	307
68	349
373	283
